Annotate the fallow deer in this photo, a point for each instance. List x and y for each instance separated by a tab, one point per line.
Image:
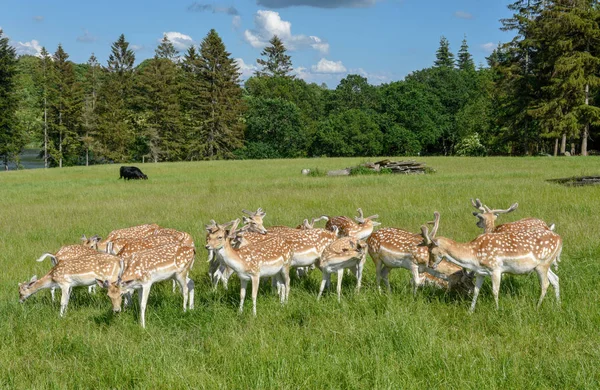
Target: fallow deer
81	271
345	252
360	230
217	269
130	233
487	219
271	257
492	254
142	269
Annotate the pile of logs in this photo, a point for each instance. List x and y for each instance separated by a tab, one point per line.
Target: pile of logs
578	181
405	167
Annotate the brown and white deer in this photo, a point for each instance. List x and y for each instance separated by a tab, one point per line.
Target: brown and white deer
343	253
271	257
360	230
122	236
487	219
142	269
492	254
81	271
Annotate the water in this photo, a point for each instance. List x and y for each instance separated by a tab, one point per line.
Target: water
29	160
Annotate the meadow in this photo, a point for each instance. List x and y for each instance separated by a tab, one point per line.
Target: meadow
370	340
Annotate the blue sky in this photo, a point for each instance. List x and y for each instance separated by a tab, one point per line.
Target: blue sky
383	40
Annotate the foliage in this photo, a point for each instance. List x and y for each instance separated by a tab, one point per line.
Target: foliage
470	146
277	63
444	57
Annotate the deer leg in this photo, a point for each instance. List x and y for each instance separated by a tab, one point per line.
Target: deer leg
543	276
52	292
286	281
190	286
553	278
416	279
323	283
64	299
339	284
181	280
478	283
378	268
359	273
243	284
255	282
384	275
127	298
174	286
92	289
143	302
496	279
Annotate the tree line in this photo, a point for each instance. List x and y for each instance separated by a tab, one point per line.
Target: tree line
537	94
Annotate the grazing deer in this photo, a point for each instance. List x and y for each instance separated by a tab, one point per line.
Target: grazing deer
345	252
121	236
142	269
360	230
67	253
271	257
492	254
81	271
487	219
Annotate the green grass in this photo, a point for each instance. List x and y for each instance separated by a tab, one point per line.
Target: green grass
368	341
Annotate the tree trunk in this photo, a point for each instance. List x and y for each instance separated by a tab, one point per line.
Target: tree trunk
572	148
586	128
563	144
45	134
556	147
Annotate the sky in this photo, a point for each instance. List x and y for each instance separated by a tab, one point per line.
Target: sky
382	40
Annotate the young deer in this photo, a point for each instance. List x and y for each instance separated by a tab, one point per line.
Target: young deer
487	220
81	271
271	257
345	252
360	230
492	254
142	269
217	269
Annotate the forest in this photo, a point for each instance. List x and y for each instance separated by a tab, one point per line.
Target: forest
536	95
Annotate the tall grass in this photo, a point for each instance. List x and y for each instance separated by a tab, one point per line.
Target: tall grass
367	341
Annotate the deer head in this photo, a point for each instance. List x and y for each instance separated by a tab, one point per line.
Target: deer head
487	217
257	215
24	288
429	239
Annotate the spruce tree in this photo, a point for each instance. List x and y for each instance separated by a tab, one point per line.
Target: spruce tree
11	139
166	50
45	77
444	57
191	106
220	98
89	114
465	59
277	63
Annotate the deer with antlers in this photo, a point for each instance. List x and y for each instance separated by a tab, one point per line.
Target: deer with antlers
492	254
487	219
270	257
81	271
360	230
345	252
142	269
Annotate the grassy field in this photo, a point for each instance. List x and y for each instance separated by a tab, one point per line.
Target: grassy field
368	341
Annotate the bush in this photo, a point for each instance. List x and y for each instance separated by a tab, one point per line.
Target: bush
470	146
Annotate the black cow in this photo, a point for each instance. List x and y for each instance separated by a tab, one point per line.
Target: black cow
129	173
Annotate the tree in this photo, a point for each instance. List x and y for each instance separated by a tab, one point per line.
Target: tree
11	139
45	77
28	95
89	114
353	92
277	63
220	98
444	57
166	50
465	60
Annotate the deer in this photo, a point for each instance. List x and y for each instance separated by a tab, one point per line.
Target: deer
81	271
487	219
345	252
121	236
271	257
492	254
396	248
361	229
142	269
217	269
67	253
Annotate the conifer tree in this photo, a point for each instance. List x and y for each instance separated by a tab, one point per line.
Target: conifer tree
45	79
11	139
166	49
444	57
89	114
277	63
221	99
465	59
192	107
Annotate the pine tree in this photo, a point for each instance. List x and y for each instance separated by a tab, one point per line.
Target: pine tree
45	77
277	63
191	106
11	139
166	50
89	114
465	59
444	57
221	99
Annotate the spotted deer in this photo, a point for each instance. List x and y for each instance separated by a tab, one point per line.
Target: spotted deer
80	271
487	219
142	269
492	254
218	271
345	252
396	248
360	230
121	236
67	253
271	257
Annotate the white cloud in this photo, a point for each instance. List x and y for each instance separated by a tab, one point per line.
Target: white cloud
332	79
317	3
136	48
489	47
32	47
246	70
38	18
269	23
326	66
86	37
179	40
463	15
236	22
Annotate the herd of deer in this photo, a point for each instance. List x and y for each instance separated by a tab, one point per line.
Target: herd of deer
134	258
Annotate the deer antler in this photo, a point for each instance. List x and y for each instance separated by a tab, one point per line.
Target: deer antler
250	213
508	210
308	225
232	231
361	217
373	216
425	230
479	206
211	226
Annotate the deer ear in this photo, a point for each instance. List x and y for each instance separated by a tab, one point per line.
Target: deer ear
475	213
101	283
33	279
